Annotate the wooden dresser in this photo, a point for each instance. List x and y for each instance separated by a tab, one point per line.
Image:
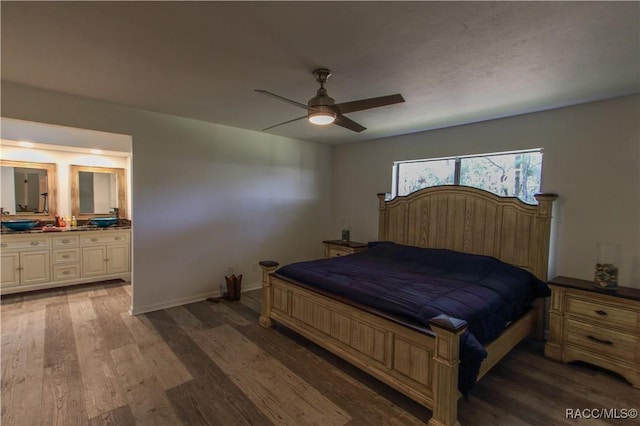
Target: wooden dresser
595	326
335	248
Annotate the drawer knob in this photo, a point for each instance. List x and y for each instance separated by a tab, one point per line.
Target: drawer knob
35	243
602	313
66	272
94	239
66	256
118	238
4	245
604	342
66	241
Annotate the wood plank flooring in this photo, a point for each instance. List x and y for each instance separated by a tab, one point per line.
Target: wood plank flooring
75	356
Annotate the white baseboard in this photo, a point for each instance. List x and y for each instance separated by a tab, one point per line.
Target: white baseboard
252	286
187	300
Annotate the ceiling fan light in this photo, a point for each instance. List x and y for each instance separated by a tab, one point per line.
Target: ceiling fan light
322	118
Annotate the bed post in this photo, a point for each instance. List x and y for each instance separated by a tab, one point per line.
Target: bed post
382	217
445	372
268	266
543	232
541	253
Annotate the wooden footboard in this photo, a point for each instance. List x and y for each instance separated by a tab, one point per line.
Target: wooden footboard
423	367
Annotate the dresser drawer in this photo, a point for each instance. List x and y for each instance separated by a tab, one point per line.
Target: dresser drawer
66	241
105	238
603	341
66	272
335	251
600	311
35	242
66	255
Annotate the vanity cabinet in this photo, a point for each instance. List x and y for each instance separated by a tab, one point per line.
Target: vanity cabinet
26	268
25	261
42	260
66	257
105	254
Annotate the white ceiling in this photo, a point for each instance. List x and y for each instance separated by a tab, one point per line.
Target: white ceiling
454	62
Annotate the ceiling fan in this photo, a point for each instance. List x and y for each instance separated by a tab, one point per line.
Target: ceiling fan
322	109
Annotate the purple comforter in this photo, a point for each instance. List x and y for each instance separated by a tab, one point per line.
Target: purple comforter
416	284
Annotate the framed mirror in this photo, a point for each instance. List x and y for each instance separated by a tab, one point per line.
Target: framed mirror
29	190
96	191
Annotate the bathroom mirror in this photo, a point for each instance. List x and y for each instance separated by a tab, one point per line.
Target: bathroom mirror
29	190
96	191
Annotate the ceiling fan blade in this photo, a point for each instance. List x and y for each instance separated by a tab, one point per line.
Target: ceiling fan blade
286	122
298	104
352	106
348	123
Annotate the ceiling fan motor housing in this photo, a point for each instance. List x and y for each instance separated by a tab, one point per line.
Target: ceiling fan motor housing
321	104
318	102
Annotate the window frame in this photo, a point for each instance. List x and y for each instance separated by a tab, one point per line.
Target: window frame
395	179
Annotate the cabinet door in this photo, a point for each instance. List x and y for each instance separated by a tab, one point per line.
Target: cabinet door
94	261
10	272
118	259
35	267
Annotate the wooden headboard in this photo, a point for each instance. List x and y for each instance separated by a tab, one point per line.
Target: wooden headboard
471	220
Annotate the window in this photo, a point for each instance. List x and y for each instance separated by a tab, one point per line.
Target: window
515	174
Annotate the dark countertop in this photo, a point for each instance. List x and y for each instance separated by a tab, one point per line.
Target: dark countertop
68	229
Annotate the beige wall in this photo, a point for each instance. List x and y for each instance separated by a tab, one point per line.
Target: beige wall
591	159
205	196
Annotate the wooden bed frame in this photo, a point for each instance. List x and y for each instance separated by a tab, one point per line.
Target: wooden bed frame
423	365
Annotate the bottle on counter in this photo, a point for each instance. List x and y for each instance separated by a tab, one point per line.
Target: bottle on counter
74	222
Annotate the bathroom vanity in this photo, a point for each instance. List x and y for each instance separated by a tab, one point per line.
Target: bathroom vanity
39	251
44	259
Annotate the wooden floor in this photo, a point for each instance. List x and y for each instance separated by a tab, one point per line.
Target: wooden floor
76	357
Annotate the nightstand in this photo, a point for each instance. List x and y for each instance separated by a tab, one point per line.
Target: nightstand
595	326
335	248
